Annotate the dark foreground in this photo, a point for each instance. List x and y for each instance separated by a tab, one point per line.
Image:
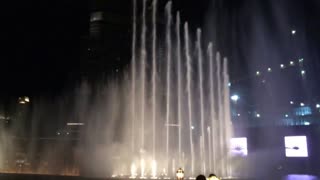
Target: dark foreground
52	177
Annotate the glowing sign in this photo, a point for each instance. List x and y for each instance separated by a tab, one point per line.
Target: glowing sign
239	146
296	146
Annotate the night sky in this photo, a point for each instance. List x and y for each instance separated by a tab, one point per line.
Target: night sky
42	39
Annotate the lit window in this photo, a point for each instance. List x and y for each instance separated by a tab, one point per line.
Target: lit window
96	16
303	111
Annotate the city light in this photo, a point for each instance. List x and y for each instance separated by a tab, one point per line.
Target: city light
302	104
301	60
306	123
229	84
291	102
239	115
291	63
258	115
258	73
293	32
317	106
282	66
75	124
303	72
235	98
23	100
192	127
269	70
286	115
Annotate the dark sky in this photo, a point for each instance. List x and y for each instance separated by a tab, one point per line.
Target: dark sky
42	39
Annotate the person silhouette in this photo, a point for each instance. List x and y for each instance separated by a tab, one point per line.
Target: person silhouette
201	177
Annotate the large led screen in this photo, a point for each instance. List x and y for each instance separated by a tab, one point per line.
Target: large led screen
239	146
296	146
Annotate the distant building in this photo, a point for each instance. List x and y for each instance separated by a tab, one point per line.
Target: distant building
106	48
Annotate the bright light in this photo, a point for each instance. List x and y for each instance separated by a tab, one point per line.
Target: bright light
303	72
235	98
302	104
293	32
306	123
282	66
286	115
239	115
318	106
154	169
301	60
229	84
26	99
291	102
269	70
192	127
133	171
296	146
291	63
142	168
258	115
258	73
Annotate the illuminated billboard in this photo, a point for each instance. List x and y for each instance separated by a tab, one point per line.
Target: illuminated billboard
239	146
296	146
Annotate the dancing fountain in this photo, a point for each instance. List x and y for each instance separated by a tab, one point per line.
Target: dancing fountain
173	105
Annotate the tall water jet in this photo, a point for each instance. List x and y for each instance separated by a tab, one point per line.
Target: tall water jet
209	148
200	71
133	76
168	92
220	115
212	109
179	85
189	92
154	75
143	70
227	121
